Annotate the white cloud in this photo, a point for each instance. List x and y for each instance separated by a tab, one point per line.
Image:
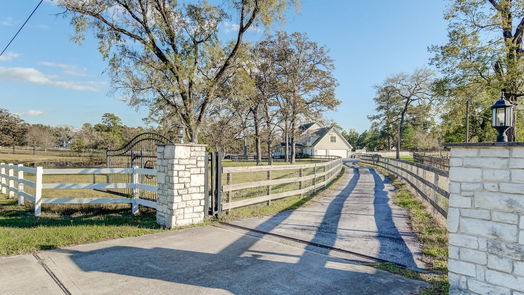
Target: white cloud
71	70
9	56
230	27
7	21
32	75
31	113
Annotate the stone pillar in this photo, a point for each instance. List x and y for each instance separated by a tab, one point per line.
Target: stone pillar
486	219
180	196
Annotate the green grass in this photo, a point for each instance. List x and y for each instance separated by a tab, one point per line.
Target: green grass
21	231
280	205
432	236
404	158
229	163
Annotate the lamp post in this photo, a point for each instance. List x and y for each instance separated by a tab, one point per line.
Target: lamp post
180	133
502	117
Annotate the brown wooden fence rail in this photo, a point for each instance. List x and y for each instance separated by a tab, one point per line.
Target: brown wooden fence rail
258	184
428	182
437	162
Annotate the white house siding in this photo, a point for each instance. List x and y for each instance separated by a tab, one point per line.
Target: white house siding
327	148
320	152
340	153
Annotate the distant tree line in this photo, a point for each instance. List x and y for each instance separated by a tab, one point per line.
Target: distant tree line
110	133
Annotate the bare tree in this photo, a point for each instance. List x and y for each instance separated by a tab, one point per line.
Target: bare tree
39	135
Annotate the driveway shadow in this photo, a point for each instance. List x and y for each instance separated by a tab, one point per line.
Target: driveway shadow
250	265
392	245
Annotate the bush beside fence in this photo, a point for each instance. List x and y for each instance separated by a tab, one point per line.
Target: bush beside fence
429	183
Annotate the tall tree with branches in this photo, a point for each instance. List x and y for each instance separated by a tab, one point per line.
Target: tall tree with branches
163	50
306	82
402	92
485	48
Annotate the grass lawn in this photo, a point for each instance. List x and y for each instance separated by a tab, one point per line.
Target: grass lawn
280	205
21	231
432	236
63	225
404	158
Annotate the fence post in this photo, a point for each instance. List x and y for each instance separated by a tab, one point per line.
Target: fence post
20	185
301	182
11	181
2	178
38	190
229	193
315	177
134	181
436	181
269	177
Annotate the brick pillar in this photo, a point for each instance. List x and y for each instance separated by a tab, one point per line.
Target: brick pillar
180	196
486	218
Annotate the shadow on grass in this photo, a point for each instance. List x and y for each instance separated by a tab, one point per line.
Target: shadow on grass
15	216
281	205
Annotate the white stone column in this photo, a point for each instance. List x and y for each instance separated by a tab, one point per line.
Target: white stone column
486	219
180	196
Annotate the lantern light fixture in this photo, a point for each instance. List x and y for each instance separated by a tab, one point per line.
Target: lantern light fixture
502	117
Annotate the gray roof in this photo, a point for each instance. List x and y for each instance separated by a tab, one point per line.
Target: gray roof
305	126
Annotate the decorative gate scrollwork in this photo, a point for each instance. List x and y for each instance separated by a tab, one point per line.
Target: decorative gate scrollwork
138	152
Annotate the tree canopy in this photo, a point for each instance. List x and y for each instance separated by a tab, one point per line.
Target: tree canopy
168	53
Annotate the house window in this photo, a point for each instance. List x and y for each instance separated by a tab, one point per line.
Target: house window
333	139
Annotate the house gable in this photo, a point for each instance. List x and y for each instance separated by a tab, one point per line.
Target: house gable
325	141
309	127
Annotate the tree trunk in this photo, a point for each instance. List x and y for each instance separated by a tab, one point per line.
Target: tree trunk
286	141
400	127
245	146
293	143
389	143
269	151
269	136
256	122
400	131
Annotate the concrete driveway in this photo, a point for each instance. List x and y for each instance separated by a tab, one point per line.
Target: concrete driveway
357	215
213	260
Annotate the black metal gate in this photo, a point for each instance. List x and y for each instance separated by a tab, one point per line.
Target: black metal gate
213	184
138	152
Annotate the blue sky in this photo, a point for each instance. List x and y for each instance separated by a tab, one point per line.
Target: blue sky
46	78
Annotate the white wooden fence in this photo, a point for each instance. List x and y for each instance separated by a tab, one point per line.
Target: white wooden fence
12	182
317	179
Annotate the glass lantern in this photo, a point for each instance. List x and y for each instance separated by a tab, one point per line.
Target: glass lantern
502	117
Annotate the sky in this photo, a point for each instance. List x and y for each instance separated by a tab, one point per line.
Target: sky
46	78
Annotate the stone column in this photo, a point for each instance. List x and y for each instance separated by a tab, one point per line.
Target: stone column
180	196
486	219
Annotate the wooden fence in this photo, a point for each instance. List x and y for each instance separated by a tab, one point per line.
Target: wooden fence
428	182
244	185
437	162
259	184
13	182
